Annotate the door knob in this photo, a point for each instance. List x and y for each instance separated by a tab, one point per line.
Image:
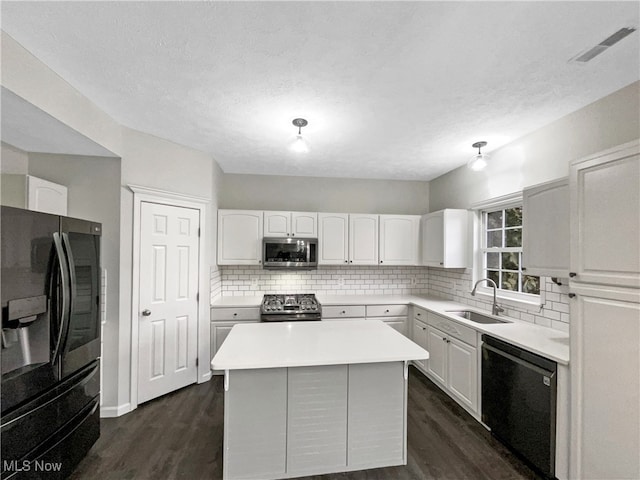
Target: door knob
146	313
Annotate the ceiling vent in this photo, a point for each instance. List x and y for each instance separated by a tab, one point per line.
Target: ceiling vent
611	40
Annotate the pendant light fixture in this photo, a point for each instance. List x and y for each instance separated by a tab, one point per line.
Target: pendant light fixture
300	145
479	160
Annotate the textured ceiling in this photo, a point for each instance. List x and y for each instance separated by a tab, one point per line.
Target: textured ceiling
396	90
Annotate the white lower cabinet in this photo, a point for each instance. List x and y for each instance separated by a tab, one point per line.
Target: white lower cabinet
419	336
393	315
223	320
453	356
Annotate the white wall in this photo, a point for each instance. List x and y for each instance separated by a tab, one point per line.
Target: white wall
340	195
94	194
544	154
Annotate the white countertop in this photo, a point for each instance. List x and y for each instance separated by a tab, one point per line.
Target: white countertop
297	344
550	343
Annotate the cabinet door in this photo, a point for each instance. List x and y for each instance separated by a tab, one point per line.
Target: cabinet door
605	194
605	383
219	333
398	324
433	239
333	238
419	336
304	224
363	239
437	348
545	229
45	196
277	224
462	372
399	239
239	237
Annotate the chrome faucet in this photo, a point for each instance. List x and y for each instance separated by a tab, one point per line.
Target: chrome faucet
496	309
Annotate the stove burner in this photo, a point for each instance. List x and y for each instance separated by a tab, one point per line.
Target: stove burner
290	308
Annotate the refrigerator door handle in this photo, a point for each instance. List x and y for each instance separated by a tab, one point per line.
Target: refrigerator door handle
72	268
64	274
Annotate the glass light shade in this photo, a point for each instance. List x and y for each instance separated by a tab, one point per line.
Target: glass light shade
478	162
300	145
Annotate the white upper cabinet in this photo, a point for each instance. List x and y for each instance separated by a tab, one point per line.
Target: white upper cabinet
239	237
445	239
545	229
290	224
333	238
604	205
363	239
399	239
33	193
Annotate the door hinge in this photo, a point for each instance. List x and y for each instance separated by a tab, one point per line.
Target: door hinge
197	296
198	231
197	362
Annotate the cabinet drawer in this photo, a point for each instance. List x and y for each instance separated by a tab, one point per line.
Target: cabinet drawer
420	314
466	334
226	314
346	311
386	310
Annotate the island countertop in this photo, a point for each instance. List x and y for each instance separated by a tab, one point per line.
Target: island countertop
297	344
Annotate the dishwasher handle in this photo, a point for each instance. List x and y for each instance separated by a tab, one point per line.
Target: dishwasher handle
542	371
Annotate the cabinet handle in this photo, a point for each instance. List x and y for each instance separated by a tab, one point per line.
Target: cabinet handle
572	274
386	311
524	269
380	261
572	295
418	314
346	261
343	312
287	234
350	261
441	263
235	314
293	234
259	261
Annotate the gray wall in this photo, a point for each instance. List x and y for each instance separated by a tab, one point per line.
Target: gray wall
340	195
13	160
544	154
94	194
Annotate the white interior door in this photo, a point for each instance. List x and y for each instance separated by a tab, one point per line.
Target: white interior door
168	321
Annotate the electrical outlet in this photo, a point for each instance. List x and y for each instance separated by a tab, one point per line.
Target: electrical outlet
414	281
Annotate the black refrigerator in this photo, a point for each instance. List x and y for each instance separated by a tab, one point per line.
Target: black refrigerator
50	378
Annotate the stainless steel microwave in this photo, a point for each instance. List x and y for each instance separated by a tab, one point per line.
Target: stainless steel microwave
289	253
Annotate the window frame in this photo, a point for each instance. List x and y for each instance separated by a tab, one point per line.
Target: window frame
507	296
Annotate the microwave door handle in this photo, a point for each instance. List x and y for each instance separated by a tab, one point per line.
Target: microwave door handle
64	275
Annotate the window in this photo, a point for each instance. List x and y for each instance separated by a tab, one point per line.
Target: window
502	251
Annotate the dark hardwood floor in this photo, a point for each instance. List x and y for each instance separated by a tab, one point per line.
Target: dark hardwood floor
180	436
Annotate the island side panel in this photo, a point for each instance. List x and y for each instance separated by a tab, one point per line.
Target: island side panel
317	421
255	424
376	421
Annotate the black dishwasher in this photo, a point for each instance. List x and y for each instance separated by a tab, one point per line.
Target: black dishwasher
519	401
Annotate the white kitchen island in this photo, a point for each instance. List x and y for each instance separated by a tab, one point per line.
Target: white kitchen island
307	398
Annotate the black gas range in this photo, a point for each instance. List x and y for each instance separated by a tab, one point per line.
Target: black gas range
294	307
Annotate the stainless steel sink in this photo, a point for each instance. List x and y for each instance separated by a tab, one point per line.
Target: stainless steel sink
476	317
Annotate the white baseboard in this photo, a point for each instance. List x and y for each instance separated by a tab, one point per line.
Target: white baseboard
112	412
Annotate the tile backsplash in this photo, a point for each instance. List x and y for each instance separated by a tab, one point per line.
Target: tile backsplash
451	284
338	280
